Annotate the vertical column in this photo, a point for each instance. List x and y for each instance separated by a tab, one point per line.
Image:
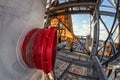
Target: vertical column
119	28
96	31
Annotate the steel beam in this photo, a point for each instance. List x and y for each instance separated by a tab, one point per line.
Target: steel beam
105	13
71	4
114	57
99	68
96	32
112	41
72	12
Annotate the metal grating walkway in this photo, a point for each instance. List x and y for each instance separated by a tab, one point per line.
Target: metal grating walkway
73	66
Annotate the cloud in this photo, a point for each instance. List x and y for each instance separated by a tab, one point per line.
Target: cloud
82	30
84	21
76	29
103	32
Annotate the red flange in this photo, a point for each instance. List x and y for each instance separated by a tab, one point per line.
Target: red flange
39	49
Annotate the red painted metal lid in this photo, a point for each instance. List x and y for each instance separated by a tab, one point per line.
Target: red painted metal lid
39	49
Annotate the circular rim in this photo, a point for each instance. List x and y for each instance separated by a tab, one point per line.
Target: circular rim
25	42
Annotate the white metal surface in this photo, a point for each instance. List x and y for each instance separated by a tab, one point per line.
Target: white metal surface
16	18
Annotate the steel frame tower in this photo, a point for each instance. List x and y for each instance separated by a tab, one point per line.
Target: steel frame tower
101	63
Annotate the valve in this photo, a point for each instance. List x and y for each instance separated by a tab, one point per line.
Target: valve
39	49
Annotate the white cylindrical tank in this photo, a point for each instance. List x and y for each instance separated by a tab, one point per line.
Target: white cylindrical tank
17	17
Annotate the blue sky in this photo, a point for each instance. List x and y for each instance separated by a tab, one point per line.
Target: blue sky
81	22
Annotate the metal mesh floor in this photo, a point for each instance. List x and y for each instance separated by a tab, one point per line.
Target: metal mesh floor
73	66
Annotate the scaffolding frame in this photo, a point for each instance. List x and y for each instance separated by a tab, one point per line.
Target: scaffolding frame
54	9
